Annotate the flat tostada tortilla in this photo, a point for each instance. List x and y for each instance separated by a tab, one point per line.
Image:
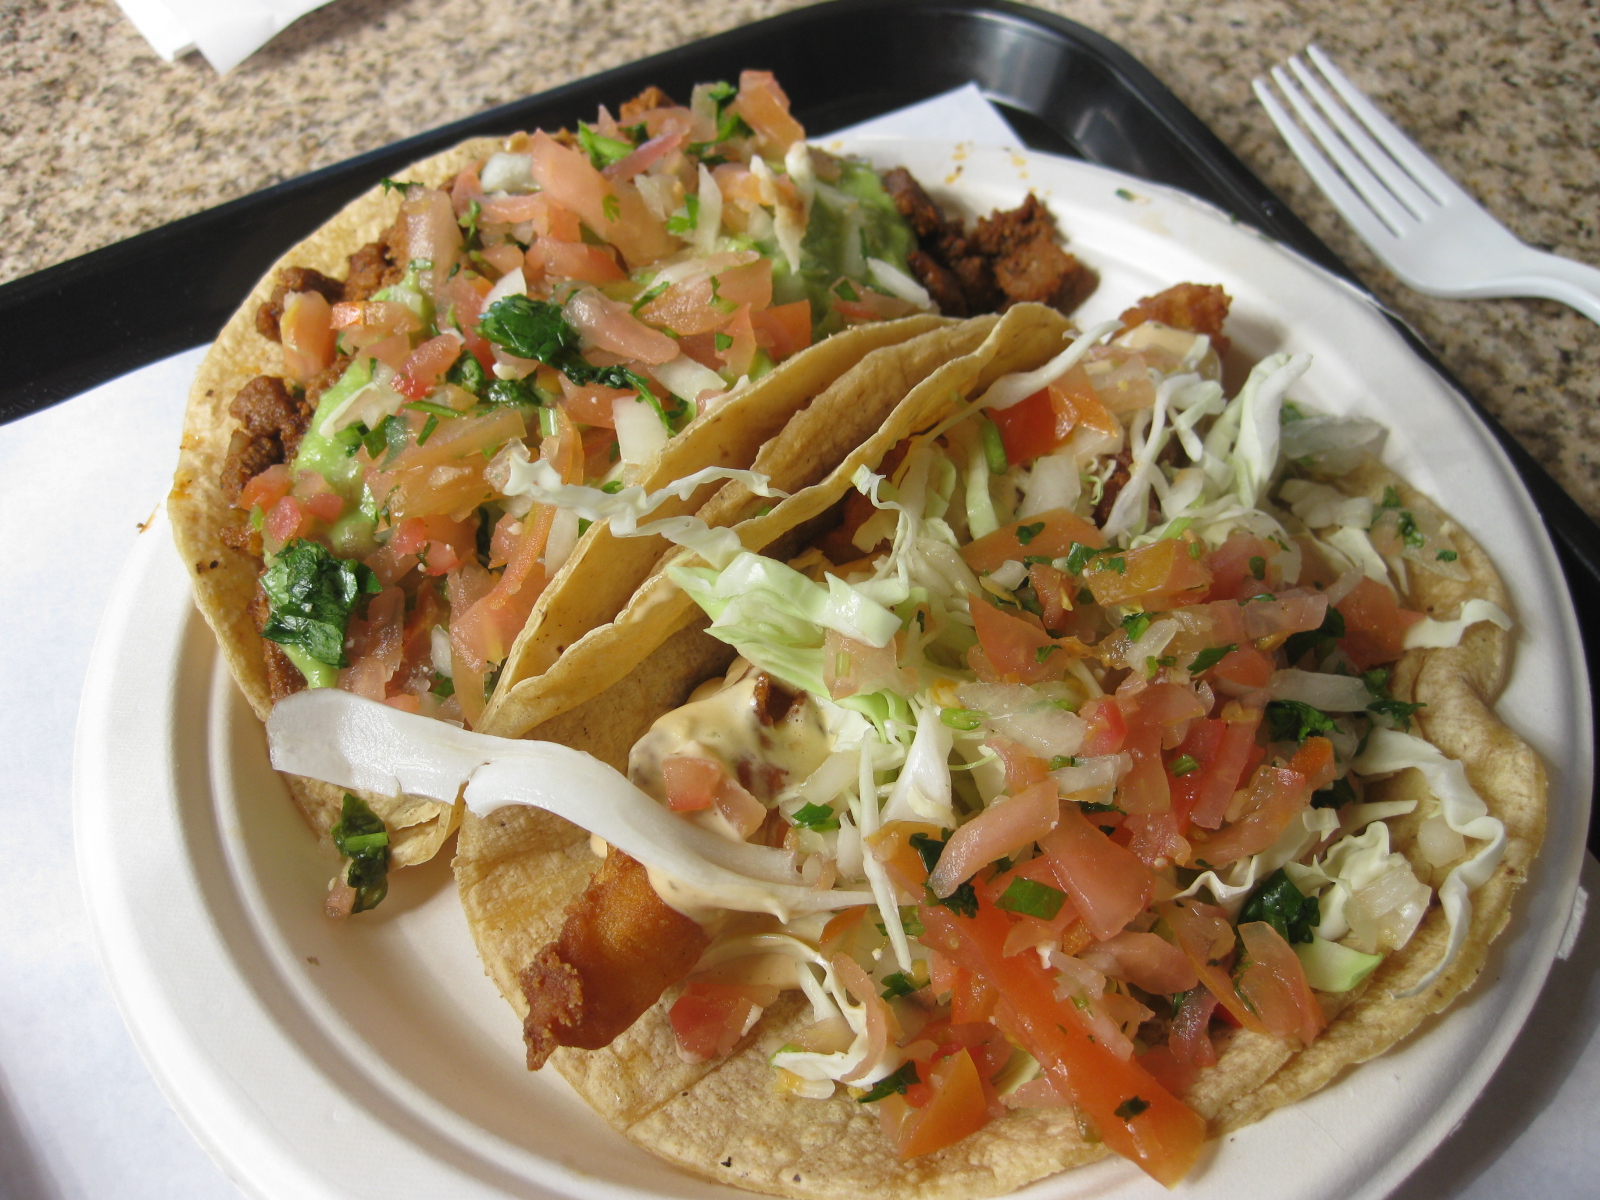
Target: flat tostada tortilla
1155	722
635	305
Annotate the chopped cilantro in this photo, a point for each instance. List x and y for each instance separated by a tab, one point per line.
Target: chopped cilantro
1044	652
893	1085
845	291
511	392
898	984
469	225
1409	533
1318	641
1396	714
722	342
1336	795
537	329
399	185
1291	720
964	900
1131	1108
1063	760
611	207
1258	566
311	595
443	686
468	373
1280	904
428	427
1078	557
361	837
611	487
1210	657
1391	497
602	151
1136	624
683	226
1446	556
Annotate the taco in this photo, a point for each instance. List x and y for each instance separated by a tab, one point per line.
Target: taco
635	304
1186	791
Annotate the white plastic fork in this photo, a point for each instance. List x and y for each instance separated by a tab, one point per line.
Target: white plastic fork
1419	221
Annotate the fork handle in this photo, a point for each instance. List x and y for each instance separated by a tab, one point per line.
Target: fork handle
1551	277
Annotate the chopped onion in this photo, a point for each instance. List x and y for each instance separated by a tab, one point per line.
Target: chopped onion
640	433
682	376
512	283
507	173
1331	693
562	541
896	282
1009	574
1054	484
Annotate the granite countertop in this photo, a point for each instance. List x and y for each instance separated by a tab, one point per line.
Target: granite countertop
103	139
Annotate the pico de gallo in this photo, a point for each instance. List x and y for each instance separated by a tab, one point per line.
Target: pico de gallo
1086	688
576	298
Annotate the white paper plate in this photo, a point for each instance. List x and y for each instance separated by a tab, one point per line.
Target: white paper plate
373	1058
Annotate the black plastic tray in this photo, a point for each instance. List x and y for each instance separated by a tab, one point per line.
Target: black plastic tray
1065	89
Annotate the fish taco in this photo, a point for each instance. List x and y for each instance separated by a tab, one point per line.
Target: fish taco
644	303
1156	722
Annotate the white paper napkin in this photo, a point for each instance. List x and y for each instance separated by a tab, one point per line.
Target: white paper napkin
226	31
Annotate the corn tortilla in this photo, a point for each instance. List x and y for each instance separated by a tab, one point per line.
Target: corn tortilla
591	587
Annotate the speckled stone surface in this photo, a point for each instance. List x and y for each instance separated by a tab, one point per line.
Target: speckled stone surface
100	139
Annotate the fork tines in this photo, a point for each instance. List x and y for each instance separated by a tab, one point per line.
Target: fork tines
1371	171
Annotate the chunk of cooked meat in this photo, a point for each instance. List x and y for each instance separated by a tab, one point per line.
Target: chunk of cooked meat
1029	263
377	264
620	947
1009	257
294	279
321	382
651	97
272	421
1197	307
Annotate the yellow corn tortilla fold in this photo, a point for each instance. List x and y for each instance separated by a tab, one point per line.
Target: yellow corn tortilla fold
725	1120
592	586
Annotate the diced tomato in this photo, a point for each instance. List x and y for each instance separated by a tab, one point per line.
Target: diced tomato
691	781
286	521
765	108
1245	667
1277	796
464	294
741	346
574	260
1164	1137
467	188
1205	935
1035	426
433	235
1235	565
869	306
710	1018
956	1106
1108	885
1049	535
1374	625
1189	1036
1108	728
1023	770
1314	760
266	489
784	330
505	258
1009	647
891	846
592	404
1159	575
1221	777
1156	839
426	364
1274	983
1144	788
615	211
1173	1073
306	328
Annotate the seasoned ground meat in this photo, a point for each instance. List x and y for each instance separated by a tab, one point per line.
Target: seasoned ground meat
941	283
294	279
651	97
273	421
1028	262
377	264
1197	307
283	677
1114	484
1009	257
